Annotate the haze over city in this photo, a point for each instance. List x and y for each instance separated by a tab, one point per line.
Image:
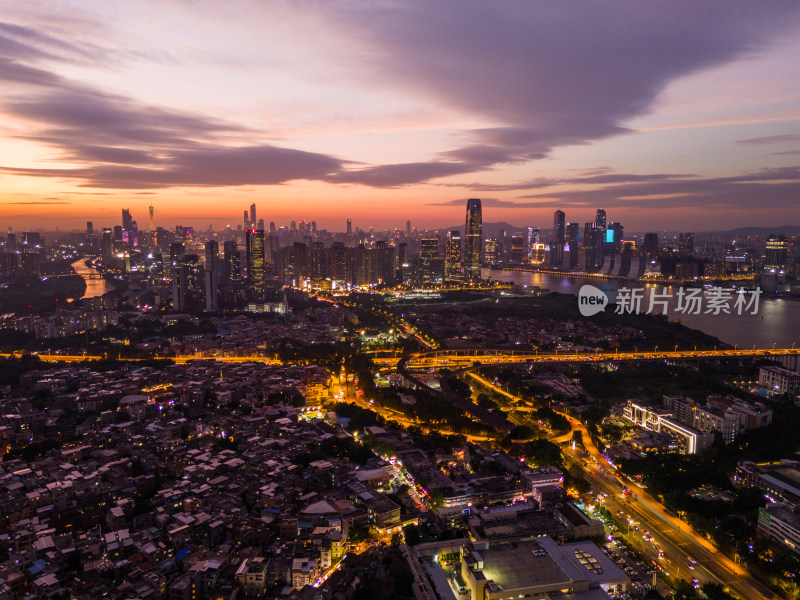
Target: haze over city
683	116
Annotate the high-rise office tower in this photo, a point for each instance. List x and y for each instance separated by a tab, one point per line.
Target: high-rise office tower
571	234
686	244
245	220
260	225
349	227
534	234
212	252
452	259
125	230
600	236
589	247
432	264
133	234
152	220
408	227
253	216
614	237
559	232
518	253
430	248
11	241
473	239
106	245
272	226
176	254
233	267
402	254
89	230
255	259
776	251
650	245
126	218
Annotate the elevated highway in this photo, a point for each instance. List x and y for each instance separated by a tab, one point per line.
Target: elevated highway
458	359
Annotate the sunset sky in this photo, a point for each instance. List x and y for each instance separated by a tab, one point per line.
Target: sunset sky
670	115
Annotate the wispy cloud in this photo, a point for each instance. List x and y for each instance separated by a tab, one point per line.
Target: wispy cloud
771	139
37	202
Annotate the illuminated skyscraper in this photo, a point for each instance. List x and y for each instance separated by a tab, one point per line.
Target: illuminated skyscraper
432	264
253	216
777	251
127	225
518	253
233	268
473	239
557	245
255	259
452	259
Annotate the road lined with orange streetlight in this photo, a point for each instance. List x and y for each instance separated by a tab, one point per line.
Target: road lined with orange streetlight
719	566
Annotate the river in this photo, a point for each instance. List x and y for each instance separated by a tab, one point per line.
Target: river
94	286
776	322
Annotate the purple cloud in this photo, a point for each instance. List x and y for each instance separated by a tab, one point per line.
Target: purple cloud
770	139
544	74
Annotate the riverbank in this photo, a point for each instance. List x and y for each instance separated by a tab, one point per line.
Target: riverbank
776	321
96	284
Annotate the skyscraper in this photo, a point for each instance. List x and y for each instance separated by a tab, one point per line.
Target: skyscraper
650	245
686	244
589	249
473	239
432	264
212	250
572	232
152	220
777	251
253	216
518	254
452	259
233	268
255	259
127	225
557	245
106	245
349	227
614	236
600	236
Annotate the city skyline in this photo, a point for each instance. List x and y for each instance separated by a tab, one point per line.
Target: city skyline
685	116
